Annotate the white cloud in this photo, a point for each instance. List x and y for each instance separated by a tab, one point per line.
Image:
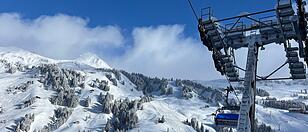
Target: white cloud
164	51
268	60
59	36
157	51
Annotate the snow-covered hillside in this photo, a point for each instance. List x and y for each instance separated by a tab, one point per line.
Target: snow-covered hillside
85	94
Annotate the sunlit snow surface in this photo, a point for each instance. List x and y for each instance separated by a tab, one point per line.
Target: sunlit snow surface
173	107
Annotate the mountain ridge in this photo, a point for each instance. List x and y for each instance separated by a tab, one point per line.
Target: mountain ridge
68	95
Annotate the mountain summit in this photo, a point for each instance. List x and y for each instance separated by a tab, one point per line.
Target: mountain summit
92	60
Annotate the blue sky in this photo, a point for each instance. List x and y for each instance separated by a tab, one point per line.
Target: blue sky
153	37
133	13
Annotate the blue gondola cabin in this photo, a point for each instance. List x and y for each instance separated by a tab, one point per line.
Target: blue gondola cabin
226	119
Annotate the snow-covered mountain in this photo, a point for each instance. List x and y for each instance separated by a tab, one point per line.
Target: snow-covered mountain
85	94
92	60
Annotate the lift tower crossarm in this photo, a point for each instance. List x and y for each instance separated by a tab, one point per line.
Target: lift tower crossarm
246	15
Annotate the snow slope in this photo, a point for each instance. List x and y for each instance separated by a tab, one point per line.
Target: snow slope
173	107
15	55
92	60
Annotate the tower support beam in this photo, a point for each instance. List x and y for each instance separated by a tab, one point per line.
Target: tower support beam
246	121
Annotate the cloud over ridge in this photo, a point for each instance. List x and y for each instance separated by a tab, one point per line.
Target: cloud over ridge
166	52
163	50
59	36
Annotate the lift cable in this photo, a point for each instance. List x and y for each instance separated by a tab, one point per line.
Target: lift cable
192	8
232	89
